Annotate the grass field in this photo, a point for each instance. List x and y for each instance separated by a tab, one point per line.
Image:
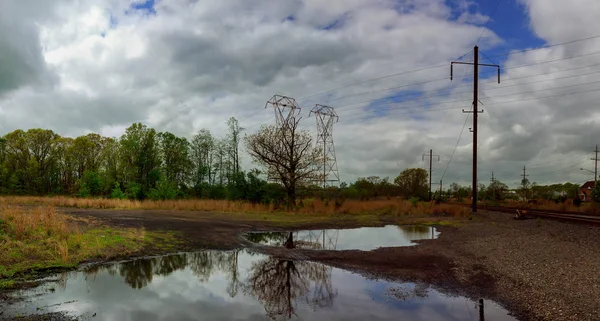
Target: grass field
308	206
41	238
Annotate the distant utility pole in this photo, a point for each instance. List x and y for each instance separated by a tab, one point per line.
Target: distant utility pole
493	180
431	156
595	159
524	183
475	111
441	191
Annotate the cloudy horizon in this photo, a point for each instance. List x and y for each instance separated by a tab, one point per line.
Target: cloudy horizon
81	66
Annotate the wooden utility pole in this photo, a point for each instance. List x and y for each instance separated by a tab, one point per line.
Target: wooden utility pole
441	191
475	111
595	159
430	167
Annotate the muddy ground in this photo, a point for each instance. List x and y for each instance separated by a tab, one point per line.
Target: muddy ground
537	269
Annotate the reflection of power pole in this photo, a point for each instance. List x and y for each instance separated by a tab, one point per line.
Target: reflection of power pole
475	111
595	159
524	183
286	111
481	315
326	117
430	167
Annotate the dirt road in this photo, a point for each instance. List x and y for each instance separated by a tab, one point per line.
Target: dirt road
539	270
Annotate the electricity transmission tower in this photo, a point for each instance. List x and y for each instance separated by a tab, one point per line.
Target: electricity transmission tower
327	166
286	111
475	111
431	156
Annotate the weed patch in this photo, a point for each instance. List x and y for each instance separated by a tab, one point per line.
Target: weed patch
42	238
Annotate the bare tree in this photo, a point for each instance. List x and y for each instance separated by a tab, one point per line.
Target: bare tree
287	153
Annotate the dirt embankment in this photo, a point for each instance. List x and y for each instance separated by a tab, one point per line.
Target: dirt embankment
538	269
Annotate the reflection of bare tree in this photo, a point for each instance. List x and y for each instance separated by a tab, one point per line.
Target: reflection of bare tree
201	264
279	284
168	264
204	264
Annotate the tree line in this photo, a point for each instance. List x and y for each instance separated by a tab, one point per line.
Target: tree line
144	163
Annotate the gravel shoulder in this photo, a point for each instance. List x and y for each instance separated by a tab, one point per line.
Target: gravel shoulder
537	269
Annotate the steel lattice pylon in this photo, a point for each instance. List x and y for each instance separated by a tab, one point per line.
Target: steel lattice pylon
327	166
286	111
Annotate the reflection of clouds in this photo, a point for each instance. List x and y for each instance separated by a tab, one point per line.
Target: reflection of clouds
202	287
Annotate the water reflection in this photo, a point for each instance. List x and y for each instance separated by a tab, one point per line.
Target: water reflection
278	284
366	238
236	285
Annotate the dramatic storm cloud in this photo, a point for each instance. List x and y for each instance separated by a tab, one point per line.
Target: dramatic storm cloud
79	66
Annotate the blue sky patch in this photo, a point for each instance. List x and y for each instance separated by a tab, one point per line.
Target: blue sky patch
146	7
336	24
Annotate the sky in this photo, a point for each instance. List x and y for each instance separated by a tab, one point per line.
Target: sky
81	66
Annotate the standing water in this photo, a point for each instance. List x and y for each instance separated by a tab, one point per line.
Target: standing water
364	238
236	285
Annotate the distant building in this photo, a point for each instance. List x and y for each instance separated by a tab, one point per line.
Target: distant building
585	191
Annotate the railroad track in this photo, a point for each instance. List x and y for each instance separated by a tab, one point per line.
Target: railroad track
557	215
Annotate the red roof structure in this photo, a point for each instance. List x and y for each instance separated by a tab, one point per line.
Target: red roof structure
585	191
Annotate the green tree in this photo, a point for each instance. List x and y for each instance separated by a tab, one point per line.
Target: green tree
90	183
201	154
140	158
496	191
164	190
174	154
412	182
117	193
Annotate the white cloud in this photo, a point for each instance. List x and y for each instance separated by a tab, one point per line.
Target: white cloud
80	66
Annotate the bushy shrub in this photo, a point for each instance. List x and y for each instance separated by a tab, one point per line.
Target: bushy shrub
164	190
117	193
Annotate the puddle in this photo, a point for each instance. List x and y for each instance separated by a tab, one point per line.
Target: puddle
237	285
365	238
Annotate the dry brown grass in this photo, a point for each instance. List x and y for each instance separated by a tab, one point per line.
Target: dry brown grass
306	206
41	237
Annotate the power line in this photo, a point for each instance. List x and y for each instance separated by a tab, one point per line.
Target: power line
456	146
463	92
464	86
370	80
443	65
509	68
388	107
486	22
546	46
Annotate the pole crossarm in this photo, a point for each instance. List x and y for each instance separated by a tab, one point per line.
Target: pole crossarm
475	111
